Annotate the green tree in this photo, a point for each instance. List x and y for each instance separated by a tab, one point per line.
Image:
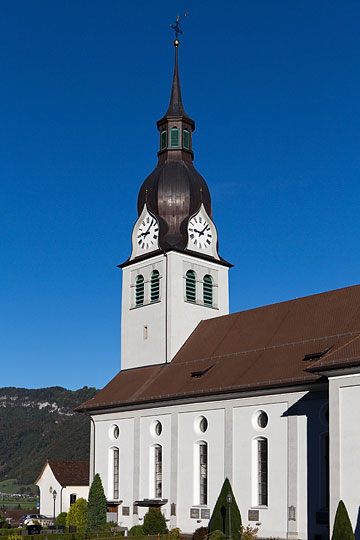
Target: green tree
77	514
220	517
342	525
61	519
97	506
154	522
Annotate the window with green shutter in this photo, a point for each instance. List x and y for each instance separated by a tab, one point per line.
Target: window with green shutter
155	286
190	286
139	290
208	290
186	139
174	137
163	140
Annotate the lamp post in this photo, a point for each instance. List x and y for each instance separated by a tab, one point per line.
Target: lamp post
229	501
54	497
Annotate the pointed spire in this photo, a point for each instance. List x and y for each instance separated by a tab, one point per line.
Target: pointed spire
176	107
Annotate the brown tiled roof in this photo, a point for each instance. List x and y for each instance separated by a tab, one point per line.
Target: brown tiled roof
70	473
254	349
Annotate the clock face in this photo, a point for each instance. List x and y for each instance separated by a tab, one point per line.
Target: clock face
200	234
148	232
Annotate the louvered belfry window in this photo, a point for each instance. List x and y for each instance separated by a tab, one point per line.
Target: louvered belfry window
208	290
155	286
186	139
262	452
139	290
190	286
174	137
163	140
203	455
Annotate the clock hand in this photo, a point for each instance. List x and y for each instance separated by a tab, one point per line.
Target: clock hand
148	229
207	226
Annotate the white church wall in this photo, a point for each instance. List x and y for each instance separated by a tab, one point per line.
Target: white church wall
231	437
273	517
185	316
78	491
143	327
104	443
148	440
344	399
188	458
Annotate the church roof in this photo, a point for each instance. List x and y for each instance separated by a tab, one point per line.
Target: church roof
274	346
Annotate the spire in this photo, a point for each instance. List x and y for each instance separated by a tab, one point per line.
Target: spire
176	107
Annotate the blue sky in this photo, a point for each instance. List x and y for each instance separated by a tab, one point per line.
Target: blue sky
274	89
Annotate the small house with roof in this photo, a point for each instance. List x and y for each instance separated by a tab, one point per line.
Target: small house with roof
61	483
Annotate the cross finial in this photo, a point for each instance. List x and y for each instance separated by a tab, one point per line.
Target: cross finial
177	29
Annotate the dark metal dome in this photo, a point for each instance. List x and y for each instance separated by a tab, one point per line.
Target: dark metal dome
174	191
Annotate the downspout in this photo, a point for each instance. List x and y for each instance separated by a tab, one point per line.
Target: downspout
93	445
62	487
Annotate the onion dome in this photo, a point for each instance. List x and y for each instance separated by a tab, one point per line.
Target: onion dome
174	190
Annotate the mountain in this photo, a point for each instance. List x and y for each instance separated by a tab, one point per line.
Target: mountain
36	425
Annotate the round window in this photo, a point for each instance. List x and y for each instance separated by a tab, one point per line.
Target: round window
260	420
201	424
114	432
156	428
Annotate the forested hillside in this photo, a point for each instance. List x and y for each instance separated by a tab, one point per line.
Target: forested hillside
36	425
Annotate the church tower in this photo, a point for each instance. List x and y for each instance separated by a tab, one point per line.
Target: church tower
174	277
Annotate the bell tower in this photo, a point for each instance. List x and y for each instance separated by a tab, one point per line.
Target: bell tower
174	277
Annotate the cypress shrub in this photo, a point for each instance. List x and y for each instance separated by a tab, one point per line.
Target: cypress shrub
220	517
154	522
77	514
342	525
136	530
97	506
61	519
217	535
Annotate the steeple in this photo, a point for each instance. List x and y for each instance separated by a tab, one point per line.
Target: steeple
176	108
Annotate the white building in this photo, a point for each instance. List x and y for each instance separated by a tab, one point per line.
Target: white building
266	397
61	483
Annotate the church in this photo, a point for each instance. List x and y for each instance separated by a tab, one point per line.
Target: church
265	397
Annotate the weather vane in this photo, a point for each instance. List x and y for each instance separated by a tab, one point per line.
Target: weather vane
176	26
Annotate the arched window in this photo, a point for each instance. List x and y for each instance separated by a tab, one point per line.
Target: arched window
262	471
186	139
158	471
190	286
208	290
139	291
116	473
174	137
72	498
203	459
155	286
163	140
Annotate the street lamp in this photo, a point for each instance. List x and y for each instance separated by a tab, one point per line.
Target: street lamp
54	497
229	501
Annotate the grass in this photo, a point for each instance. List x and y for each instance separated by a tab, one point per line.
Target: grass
11	486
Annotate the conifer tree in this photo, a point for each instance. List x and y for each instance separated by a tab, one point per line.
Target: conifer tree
220	517
342	525
97	505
